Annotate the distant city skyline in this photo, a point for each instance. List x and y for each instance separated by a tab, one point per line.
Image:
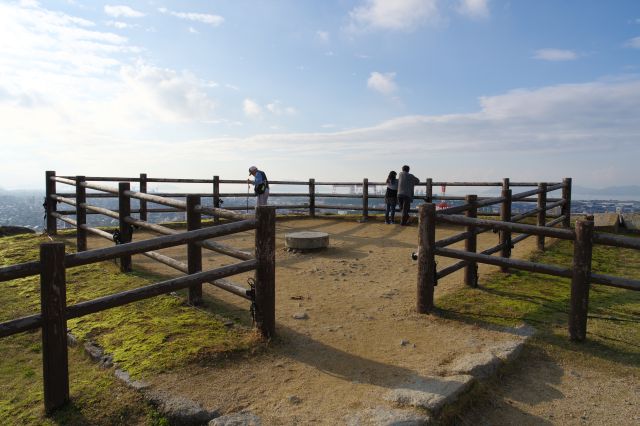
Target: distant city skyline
458	89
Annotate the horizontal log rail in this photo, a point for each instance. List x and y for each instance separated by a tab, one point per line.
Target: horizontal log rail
163	287
500	261
26	269
217	247
221	283
556	221
564	234
223	213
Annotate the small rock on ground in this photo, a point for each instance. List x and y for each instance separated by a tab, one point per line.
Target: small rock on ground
237	419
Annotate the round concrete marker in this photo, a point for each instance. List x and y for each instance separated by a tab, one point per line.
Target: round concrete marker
306	240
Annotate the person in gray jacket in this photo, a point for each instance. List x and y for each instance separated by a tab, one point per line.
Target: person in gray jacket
406	183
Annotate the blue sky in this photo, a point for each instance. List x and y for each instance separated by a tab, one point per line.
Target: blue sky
336	90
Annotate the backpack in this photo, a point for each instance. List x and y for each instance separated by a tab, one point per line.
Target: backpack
262	187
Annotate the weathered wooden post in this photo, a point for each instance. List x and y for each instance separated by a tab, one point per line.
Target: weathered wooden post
429	197
580	280
53	296
50	204
81	214
143	203
471	243
505	183
365	199
194	251
505	234
312	197
566	207
542	213
124	211
216	197
265	276
426	257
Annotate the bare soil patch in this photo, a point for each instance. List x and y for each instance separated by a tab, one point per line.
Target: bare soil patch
361	336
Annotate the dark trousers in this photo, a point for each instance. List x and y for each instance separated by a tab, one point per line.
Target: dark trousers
405	205
390	212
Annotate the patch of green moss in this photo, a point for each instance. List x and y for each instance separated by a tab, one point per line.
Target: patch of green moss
144	338
613	330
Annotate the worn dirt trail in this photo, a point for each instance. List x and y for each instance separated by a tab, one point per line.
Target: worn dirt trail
362	337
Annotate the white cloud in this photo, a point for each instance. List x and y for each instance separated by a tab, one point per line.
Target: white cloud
119	25
122	12
209	19
193	30
251	108
634	43
165	95
277	108
382	83
323	36
402	15
474	9
555	55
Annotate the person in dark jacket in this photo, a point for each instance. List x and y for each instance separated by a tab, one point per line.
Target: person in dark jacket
406	183
391	198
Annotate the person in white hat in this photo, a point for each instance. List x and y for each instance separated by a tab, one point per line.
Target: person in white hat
260	185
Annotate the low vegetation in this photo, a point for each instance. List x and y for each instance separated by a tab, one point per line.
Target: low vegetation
543	301
144	338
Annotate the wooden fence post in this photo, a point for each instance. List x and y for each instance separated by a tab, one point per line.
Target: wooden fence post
194	251
429	197
426	257
312	197
582	250
505	183
81	214
51	205
143	203
365	199
505	235
471	243
542	214
265	275
566	207
124	211
53	293
216	197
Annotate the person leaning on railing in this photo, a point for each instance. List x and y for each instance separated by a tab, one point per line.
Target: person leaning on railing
260	185
406	183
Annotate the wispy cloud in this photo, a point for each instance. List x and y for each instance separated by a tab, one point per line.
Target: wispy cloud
555	55
474	9
382	83
396	15
277	108
251	108
205	18
633	43
122	12
323	36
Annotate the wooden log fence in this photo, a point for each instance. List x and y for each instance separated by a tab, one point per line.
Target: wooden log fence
362	199
580	273
53	264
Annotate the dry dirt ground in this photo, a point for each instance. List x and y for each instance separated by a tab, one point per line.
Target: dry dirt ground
361	337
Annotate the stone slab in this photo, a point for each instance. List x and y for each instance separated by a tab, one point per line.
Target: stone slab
631	221
430	393
601	220
306	240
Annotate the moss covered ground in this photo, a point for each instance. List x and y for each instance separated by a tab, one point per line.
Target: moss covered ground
144	338
613	329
